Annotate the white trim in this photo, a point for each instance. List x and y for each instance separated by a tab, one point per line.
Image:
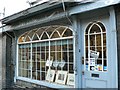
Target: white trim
113	49
46	40
45	31
44	83
31	61
74	57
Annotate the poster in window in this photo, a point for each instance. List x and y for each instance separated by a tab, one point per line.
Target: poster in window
61	77
70	79
94	54
92	61
50	75
92	64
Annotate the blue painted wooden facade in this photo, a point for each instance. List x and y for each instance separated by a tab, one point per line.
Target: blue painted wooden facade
77	16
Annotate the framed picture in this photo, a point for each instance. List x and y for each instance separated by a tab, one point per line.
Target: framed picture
71	79
49	62
61	77
50	75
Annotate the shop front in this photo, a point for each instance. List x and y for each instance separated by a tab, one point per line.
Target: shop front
74	51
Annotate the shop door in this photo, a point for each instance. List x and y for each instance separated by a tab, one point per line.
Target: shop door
95	63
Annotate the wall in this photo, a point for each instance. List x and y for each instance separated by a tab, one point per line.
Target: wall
0	59
117	9
7	66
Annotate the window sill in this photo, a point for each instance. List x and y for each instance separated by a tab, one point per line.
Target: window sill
44	83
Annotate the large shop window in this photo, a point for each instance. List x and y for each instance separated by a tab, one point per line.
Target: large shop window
46	54
95	47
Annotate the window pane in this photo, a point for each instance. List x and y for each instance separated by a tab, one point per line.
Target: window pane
95	29
38	75
19	72
95	54
27	39
51	29
61	29
67	33
43	75
70	56
44	36
104	39
35	37
71	68
98	38
33	56
55	35
22	38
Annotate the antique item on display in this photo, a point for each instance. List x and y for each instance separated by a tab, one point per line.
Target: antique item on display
55	63
61	77
71	79
49	62
50	75
62	63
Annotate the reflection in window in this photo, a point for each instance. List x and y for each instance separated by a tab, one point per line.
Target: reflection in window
36	47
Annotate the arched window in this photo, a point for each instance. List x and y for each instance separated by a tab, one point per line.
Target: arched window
95	47
43	50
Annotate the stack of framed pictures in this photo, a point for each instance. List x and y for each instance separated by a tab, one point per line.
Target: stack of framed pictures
60	77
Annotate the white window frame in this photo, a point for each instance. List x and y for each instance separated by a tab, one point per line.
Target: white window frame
88	34
43	82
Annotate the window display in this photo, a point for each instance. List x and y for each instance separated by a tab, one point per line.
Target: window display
45	50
